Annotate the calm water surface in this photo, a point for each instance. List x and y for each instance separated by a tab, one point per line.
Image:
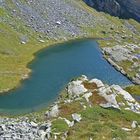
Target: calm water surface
52	70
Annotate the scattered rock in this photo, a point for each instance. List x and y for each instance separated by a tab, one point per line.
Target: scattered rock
87	95
124	93
22	128
124	54
108	105
69	123
134	124
33	124
76	88
24	39
18	128
98	82
45	131
76	117
42	41
126	129
54	112
58	22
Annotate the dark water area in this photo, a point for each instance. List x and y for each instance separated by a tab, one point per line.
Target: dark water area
52	69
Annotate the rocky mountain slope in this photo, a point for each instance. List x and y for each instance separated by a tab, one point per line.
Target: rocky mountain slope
29	25
121	8
107	112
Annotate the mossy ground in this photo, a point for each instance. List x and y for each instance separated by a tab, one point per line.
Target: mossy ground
97	123
134	89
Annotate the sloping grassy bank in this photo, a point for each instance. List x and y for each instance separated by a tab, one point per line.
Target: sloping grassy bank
15	55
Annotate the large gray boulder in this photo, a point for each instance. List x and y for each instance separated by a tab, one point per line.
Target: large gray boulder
53	112
76	88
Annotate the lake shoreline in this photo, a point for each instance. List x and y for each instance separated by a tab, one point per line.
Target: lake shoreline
27	75
70	97
91	51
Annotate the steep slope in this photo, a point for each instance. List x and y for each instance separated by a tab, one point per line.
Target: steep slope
86	110
120	8
29	25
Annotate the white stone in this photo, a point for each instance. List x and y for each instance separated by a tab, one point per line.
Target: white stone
42	41
109	96
76	117
98	82
108	105
134	124
83	78
58	22
76	88
23	42
33	124
126	129
69	123
54	112
68	101
125	94
43	135
87	95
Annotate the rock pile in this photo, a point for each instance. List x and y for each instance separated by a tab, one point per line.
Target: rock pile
17	129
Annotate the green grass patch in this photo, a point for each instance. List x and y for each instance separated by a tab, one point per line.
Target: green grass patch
134	89
59	126
99	123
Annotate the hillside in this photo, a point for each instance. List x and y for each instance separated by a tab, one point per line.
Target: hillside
86	109
28	26
122	9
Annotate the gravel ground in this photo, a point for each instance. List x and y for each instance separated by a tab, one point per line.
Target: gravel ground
55	18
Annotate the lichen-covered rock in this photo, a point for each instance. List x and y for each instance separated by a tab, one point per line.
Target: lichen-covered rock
125	55
87	95
53	112
98	82
109	96
124	93
76	88
76	117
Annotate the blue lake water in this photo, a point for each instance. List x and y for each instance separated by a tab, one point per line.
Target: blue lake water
52	69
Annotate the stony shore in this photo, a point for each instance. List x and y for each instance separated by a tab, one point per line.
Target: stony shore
40	22
36	23
88	94
125	59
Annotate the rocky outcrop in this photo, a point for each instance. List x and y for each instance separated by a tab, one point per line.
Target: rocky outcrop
110	94
76	88
125	58
53	112
104	95
121	8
